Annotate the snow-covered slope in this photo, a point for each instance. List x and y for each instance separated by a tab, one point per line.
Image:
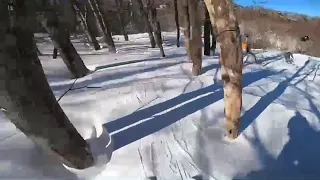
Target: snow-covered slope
166	123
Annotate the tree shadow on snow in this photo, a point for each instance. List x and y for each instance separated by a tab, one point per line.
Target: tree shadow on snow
107	77
299	159
270	59
250	115
155	119
138	61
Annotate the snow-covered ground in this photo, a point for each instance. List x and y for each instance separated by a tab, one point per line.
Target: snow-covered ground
166	123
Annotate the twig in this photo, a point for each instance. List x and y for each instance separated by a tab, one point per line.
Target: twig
70	88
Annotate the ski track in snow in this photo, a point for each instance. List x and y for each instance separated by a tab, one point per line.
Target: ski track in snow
165	123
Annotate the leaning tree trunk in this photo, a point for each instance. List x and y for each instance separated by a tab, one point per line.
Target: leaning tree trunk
176	17
206	33
103	24
36	47
27	99
121	18
155	25
81	14
147	23
61	40
222	11
192	33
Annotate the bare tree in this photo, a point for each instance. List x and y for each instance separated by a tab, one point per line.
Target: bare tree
27	99
155	25
176	18
225	20
55	53
147	23
186	25
121	18
82	16
60	37
192	34
36	47
206	33
213	39
103	24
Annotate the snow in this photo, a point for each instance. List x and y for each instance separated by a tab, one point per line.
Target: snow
166	123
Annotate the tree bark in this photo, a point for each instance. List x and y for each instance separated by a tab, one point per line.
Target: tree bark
36	47
176	17
55	53
103	24
60	37
27	99
121	18
145	17
155	25
213	39
186	26
81	14
222	11
192	32
206	33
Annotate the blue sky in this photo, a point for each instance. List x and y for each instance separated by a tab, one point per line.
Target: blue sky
308	7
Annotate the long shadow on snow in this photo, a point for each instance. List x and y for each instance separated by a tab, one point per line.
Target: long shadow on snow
270	59
250	115
137	61
160	121
108	77
299	159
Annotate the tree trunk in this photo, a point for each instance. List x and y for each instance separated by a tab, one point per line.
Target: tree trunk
121	18
176	17
222	11
192	33
213	39
103	24
149	28
81	14
155	25
186	26
36	47
206	33
27	99
55	53
91	20
61	39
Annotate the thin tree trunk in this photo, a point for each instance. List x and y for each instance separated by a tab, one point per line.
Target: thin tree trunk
225	20
121	18
186	26
213	39
27	99
149	28
192	32
61	40
85	27
206	33
155	25
55	53
103	24
176	17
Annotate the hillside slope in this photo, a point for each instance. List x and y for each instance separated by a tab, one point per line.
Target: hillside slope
166	123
